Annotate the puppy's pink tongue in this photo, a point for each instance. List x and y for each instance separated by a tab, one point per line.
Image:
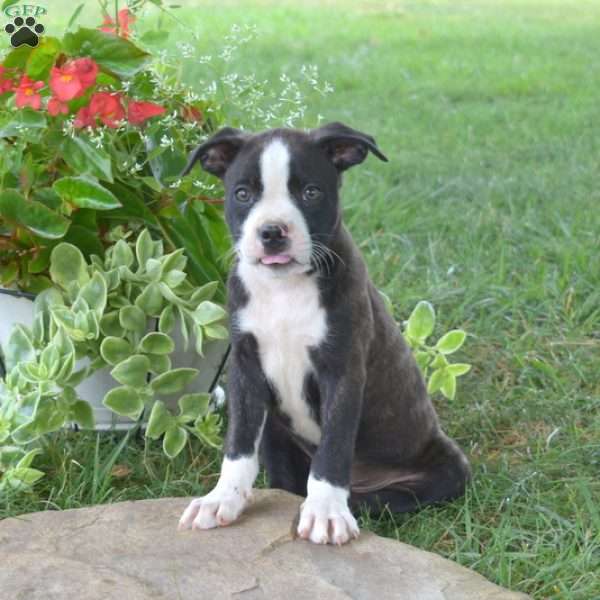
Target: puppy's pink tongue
276	259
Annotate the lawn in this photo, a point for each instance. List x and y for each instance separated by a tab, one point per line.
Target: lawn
488	208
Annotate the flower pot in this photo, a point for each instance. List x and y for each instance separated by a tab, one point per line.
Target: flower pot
17	307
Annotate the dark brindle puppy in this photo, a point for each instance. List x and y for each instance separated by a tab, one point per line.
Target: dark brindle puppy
321	382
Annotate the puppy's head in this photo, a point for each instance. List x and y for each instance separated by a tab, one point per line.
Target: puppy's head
281	190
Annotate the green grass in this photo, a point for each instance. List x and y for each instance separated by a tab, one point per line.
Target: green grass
489	208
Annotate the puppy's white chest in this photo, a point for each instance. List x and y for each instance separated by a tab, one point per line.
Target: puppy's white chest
285	316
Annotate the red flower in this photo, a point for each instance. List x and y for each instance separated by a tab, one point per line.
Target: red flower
73	78
65	84
83	118
86	70
56	107
108	108
6	85
27	93
138	112
125	17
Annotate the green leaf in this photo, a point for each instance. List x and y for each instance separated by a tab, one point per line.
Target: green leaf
115	350
192	406
451	342
122	254
48	197
436	381
85	193
133	318
205	292
134	206
67	265
82	414
144	248
160	420
423	359
175	261
76	326
40	262
202	268
124	401
42	58
421	321
174	441
439	362
173	381
86	159
50	358
34	215
19	348
154	270
48	298
113	53
174	278
157	343
448	387
208	428
25	434
110	324
167	320
160	363
87	240
170	163
22	478
132	371
150	300
24	120
94	293
208	312
216	332
458	369
26	461
183	327
9	273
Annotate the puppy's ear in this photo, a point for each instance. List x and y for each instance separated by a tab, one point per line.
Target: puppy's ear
345	146
217	153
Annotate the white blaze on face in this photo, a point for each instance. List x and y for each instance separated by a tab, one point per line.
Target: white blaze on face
275	205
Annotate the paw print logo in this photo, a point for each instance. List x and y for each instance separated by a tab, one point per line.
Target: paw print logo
24	31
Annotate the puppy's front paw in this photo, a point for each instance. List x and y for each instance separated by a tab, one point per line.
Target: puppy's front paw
325	516
217	509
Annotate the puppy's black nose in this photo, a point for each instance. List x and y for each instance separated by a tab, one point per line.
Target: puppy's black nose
273	236
272	232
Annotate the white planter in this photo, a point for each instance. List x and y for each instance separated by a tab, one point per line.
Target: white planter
19	309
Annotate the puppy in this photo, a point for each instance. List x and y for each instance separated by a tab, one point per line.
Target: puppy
322	384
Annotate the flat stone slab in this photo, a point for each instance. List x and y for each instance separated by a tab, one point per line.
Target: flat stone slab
132	551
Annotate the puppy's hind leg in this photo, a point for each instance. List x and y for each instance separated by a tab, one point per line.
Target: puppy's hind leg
439	475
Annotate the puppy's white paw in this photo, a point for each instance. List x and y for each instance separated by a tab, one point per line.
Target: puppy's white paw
325	516
226	502
217	509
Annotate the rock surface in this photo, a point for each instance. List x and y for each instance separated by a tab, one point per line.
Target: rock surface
132	551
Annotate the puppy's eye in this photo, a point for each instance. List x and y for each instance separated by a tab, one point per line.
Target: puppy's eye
311	193
242	194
